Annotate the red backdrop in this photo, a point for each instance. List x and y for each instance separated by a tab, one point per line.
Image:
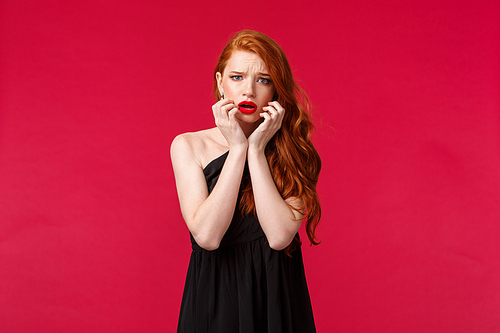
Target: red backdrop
407	107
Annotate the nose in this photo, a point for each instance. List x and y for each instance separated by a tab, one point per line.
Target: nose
249	90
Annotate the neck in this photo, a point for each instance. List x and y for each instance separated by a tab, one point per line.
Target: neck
248	128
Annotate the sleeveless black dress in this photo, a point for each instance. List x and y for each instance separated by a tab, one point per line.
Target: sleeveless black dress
244	286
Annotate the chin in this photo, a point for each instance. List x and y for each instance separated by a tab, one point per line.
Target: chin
244	119
249	118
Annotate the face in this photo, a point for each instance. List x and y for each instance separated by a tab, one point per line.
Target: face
247	82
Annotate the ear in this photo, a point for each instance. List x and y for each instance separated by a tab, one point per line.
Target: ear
218	77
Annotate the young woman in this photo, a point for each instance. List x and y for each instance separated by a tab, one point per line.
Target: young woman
244	188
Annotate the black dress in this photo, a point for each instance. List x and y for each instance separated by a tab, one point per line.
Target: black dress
244	286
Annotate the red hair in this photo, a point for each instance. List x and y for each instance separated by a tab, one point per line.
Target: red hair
292	158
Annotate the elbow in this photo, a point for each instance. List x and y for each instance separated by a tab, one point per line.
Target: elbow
205	237
277	247
209	246
279	244
207	243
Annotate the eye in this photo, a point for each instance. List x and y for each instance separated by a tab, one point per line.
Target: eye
264	80
235	77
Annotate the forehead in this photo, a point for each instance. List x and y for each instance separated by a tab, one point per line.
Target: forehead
244	61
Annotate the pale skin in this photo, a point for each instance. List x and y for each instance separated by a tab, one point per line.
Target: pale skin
208	217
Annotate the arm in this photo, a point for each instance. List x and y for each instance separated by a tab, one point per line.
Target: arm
279	221
208	216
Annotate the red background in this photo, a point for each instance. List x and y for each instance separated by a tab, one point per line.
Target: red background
407	107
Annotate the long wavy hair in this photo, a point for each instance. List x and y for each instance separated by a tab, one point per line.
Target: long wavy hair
292	158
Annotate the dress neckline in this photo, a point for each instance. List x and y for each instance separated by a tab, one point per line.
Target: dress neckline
223	156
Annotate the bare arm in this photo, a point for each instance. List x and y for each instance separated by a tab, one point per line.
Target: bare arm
209	216
279	221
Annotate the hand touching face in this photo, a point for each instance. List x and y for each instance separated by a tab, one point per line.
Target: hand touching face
273	117
247	83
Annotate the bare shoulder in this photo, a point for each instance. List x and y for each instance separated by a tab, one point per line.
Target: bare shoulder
186	147
197	147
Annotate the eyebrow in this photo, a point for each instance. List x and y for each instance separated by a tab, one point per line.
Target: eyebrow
260	73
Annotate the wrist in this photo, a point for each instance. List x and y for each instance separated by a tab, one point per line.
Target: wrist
254	151
239	148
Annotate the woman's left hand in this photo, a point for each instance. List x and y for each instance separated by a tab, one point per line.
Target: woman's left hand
273	117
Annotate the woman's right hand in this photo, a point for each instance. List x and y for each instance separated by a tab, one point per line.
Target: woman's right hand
224	113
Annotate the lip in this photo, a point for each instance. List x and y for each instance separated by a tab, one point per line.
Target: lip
246	110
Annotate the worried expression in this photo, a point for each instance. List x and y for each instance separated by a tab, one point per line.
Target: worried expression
247	83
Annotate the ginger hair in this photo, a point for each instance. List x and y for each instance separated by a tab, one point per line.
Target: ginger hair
294	162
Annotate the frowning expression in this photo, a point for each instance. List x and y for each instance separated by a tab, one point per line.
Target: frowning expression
247	83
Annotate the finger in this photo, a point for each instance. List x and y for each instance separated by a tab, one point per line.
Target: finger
226	101
216	111
220	109
276	104
219	104
222	103
226	108
266	116
280	111
232	113
270	110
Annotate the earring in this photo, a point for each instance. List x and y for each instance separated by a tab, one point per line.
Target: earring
221	95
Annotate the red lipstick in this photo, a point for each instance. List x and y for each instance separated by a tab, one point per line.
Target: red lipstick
247	107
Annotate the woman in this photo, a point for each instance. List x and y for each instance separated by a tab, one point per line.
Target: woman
244	187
